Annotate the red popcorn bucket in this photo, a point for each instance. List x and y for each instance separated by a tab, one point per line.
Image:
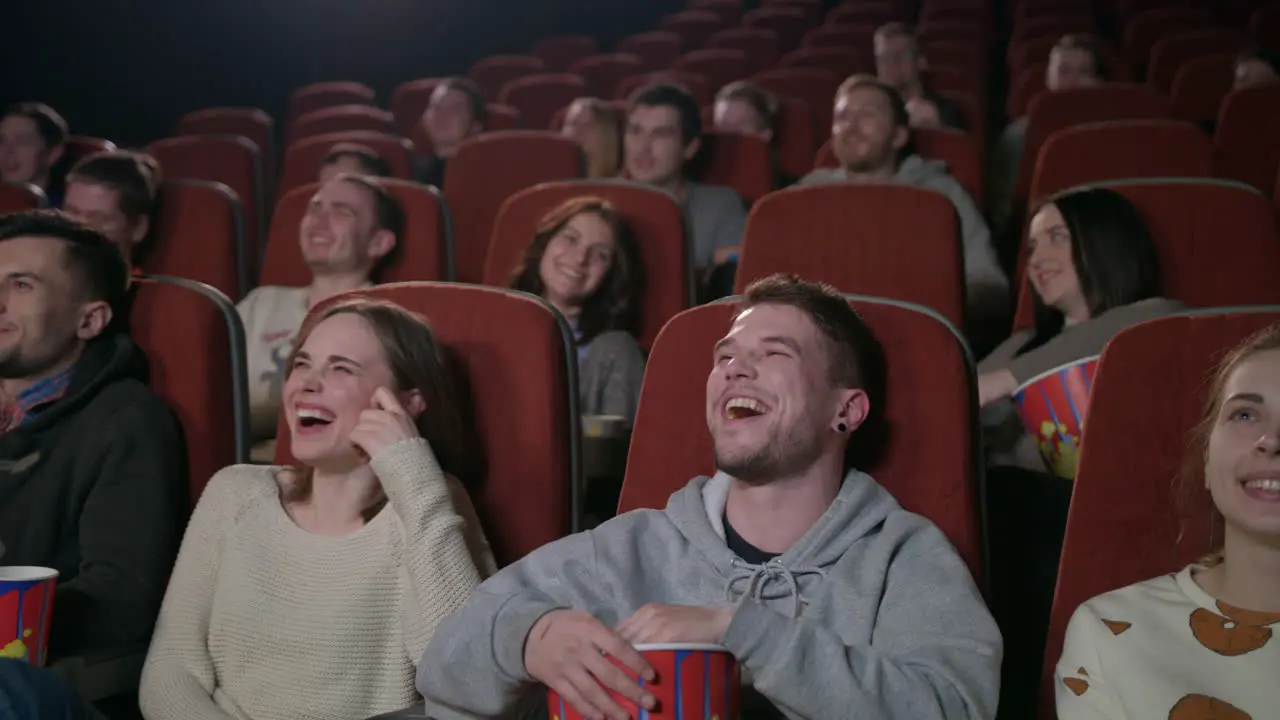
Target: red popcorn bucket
1053	407
26	606
694	682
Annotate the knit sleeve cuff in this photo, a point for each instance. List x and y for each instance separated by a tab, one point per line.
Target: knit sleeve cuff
409	472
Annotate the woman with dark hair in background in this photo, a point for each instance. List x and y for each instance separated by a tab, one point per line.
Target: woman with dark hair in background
585	261
1197	643
1094	271
312	591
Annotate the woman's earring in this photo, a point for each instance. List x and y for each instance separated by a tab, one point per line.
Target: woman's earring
842	428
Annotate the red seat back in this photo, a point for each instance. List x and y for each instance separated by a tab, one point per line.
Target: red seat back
882	240
1246	144
302	159
491	168
328	94
194	344
199	234
1097	152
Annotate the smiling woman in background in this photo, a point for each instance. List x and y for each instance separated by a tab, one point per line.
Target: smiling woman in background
1094	271
584	260
312	591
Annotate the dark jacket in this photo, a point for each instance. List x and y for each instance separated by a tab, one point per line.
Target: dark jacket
95	486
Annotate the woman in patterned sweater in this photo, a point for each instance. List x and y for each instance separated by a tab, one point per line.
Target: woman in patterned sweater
1199	643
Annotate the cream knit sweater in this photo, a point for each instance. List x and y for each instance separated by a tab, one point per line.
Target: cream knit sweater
266	621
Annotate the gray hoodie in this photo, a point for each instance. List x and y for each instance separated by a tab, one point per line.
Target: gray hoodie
986	286
872	614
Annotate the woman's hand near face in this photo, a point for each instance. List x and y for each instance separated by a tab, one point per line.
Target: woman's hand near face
384	424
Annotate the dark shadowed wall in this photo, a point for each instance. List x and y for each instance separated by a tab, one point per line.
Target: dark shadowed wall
126	69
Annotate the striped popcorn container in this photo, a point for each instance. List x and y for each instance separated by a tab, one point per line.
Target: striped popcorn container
694	682
1053	407
26	606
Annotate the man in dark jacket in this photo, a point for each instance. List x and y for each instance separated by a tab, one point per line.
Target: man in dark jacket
92	465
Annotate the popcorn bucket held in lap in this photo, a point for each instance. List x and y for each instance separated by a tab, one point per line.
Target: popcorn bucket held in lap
26	607
694	682
1053	407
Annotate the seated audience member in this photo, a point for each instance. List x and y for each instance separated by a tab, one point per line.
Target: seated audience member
353	159
1197	643
748	109
901	64
455	114
1256	66
349	231
1076	61
27	691
835	601
1094	271
871	137
312	591
585	262
115	193
33	139
93	476
664	132
598	128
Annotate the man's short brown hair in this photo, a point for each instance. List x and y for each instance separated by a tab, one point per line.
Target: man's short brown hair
896	105
850	343
1090	44
764	103
133	176
370	162
53	128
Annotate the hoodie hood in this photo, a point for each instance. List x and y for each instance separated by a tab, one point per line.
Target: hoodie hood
915	170
858	510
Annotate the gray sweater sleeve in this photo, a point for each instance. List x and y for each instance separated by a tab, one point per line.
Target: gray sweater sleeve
474	665
935	653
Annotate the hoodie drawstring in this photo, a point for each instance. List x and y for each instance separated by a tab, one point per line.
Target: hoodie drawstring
758	577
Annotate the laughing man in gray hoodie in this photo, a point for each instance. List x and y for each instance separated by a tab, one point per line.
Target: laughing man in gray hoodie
836	602
870	135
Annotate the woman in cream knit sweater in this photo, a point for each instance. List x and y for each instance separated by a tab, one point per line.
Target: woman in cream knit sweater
311	592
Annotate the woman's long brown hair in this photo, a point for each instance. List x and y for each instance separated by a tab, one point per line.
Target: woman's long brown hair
417	362
615	305
1193	468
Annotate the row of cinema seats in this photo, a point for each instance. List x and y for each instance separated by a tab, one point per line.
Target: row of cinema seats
1077	153
907	256
1140	389
1243	149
